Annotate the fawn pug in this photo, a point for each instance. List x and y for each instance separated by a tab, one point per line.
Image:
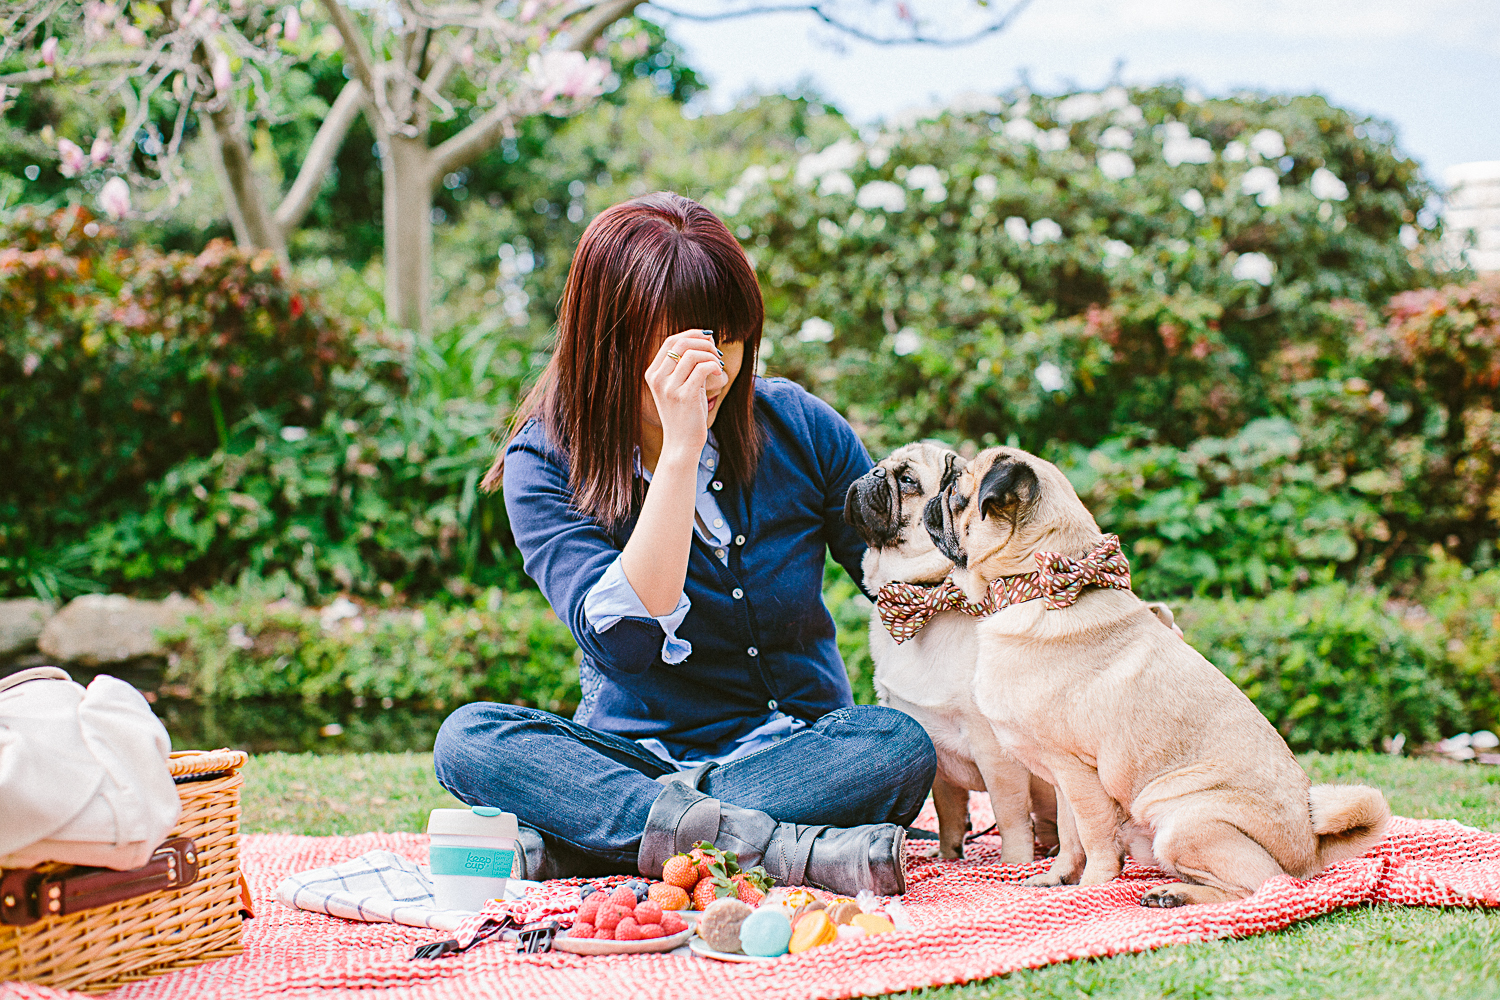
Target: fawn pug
930	676
1151	749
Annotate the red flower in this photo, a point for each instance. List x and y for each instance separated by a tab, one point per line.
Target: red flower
297	307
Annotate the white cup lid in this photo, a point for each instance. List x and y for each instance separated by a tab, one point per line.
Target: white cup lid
478	821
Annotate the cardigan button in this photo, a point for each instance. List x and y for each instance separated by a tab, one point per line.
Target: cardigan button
753	651
717	485
719	553
738	593
739	539
771	704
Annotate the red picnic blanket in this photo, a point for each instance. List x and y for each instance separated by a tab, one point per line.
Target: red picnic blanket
973	921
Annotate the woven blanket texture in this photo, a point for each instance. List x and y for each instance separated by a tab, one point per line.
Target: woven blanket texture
973	921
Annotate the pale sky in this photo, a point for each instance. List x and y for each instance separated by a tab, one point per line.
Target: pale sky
1432	67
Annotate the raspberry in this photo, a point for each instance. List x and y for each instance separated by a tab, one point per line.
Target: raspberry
628	930
647	931
601	934
609	917
623	896
591	906
671	923
648	913
582	929
669	897
680	871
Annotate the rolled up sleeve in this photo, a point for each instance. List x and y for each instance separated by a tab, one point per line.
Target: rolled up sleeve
613	598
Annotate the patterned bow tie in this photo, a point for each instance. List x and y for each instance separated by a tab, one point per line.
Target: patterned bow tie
905	607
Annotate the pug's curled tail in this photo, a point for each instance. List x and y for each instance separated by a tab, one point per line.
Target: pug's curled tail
1348	820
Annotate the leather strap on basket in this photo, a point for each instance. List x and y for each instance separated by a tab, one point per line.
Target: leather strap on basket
31	894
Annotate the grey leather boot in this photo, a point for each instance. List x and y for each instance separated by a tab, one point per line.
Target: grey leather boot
840	860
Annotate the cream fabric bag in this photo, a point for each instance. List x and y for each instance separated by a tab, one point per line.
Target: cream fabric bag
83	772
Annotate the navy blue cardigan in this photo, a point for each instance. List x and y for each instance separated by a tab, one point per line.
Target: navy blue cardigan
773	648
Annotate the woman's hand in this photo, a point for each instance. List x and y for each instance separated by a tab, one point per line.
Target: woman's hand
686	370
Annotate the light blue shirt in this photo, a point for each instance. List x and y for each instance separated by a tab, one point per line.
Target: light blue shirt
613	598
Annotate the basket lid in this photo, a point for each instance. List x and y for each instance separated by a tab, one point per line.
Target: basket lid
478	821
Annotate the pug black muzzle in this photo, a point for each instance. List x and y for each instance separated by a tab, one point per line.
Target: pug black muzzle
938	519
872	507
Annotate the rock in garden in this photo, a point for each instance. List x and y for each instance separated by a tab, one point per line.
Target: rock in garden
20	623
96	629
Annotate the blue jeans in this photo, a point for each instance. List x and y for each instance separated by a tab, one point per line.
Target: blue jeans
588	793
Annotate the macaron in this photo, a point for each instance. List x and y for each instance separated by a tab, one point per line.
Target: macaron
766	933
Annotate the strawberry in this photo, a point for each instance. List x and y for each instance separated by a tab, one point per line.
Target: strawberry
671	923
582	929
747	891
703	894
669	897
628	930
623	896
681	871
648	913
648	931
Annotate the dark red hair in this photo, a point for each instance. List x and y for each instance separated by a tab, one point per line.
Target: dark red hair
644	268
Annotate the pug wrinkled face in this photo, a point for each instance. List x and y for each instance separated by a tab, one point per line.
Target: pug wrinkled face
989	503
885	505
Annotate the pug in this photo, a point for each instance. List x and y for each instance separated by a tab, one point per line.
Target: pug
1151	749
931	675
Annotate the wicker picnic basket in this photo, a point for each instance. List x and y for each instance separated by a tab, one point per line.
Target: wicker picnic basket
105	947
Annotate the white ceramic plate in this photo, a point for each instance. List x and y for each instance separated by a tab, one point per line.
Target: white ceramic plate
700	947
588	946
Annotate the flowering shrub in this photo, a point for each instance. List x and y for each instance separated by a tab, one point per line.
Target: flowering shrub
115	365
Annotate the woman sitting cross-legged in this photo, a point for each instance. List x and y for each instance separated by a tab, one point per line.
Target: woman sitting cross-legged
677	511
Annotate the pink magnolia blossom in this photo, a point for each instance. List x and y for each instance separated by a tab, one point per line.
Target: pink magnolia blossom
293	24
567	74
73	160
223	81
49	52
466	56
114	198
132	36
529	11
99	151
194	6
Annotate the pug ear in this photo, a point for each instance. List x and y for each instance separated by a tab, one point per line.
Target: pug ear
953	464
1007	490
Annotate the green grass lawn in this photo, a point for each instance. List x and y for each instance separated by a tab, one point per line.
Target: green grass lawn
1370	952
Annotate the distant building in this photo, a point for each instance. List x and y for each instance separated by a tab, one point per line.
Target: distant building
1473	204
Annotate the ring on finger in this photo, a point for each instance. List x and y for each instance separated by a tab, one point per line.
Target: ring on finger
674	355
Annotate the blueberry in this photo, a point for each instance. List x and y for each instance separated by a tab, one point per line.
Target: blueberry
586	891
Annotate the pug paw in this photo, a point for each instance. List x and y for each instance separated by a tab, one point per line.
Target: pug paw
1165	896
1046	880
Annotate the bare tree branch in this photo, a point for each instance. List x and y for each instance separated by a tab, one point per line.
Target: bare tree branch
818	11
320	154
472	142
595	21
359	54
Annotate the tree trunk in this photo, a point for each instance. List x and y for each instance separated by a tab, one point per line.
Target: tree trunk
244	203
407	180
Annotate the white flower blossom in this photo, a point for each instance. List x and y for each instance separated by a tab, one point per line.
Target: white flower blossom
1020	129
1327	186
1408	236
291	435
815	330
929	180
99	151
1179	146
114	198
877	156
886	195
1078	108
49	52
132	36
1045	231
1115	98
829	228
836	182
1017	229
1255	267
1130	115
1192	200
1053	140
1116	165
842	155
1264	184
1116	251
223	80
985	185
907	341
1050	377
1236	152
1268	143
1116	137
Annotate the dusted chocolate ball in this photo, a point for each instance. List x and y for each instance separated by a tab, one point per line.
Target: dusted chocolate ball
720	924
844	911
